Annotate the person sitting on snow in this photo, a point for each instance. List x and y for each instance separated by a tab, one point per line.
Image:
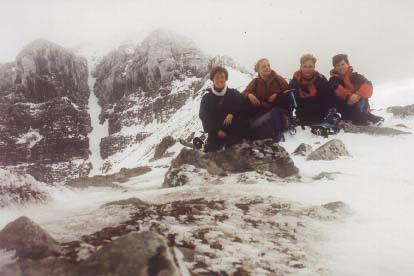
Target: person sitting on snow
314	96
353	91
221	113
270	106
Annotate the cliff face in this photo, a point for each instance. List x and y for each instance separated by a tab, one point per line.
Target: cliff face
145	85
43	117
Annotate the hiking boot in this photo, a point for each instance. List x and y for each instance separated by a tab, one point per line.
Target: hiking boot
332	117
375	120
198	143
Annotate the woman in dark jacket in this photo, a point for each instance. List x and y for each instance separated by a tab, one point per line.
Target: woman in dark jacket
221	113
314	96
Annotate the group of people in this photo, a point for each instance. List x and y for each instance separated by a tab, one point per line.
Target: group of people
265	108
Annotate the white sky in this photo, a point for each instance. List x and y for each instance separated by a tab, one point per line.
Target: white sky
377	34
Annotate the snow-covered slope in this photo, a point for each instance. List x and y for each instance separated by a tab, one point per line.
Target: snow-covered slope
375	182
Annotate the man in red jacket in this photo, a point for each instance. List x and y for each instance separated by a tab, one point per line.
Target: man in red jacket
353	91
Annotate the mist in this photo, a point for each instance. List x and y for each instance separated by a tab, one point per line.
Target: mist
377	35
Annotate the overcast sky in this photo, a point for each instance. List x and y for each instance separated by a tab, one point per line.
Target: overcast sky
378	35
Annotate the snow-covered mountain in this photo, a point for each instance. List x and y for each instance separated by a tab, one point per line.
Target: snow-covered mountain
257	209
152	91
44	122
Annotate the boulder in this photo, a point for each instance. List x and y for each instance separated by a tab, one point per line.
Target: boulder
401	111
262	155
303	149
327	175
110	180
136	202
372	130
162	147
28	239
329	151
141	254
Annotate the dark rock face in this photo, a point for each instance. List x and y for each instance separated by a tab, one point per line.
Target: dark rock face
402	111
44	121
28	239
46	71
147	84
161	58
249	156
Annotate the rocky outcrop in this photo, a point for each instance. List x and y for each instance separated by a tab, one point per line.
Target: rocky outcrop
143	87
28	240
303	149
140	254
402	111
216	234
44	121
16	189
325	175
371	130
260	155
329	151
111	180
163	146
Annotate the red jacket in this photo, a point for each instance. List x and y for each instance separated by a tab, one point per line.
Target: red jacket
350	83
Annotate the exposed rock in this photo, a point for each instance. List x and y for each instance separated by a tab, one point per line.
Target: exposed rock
209	228
28	239
372	130
145	253
185	143
136	202
111	180
329	151
402	111
336	206
327	175
250	156
207	225
162	147
402	126
303	149
16	188
112	144
43	115
143	88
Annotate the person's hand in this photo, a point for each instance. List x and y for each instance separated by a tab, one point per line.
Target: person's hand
228	120
353	99
252	98
272	98
221	134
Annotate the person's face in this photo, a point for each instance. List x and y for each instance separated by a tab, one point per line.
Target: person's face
342	67
264	68
308	69
219	80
